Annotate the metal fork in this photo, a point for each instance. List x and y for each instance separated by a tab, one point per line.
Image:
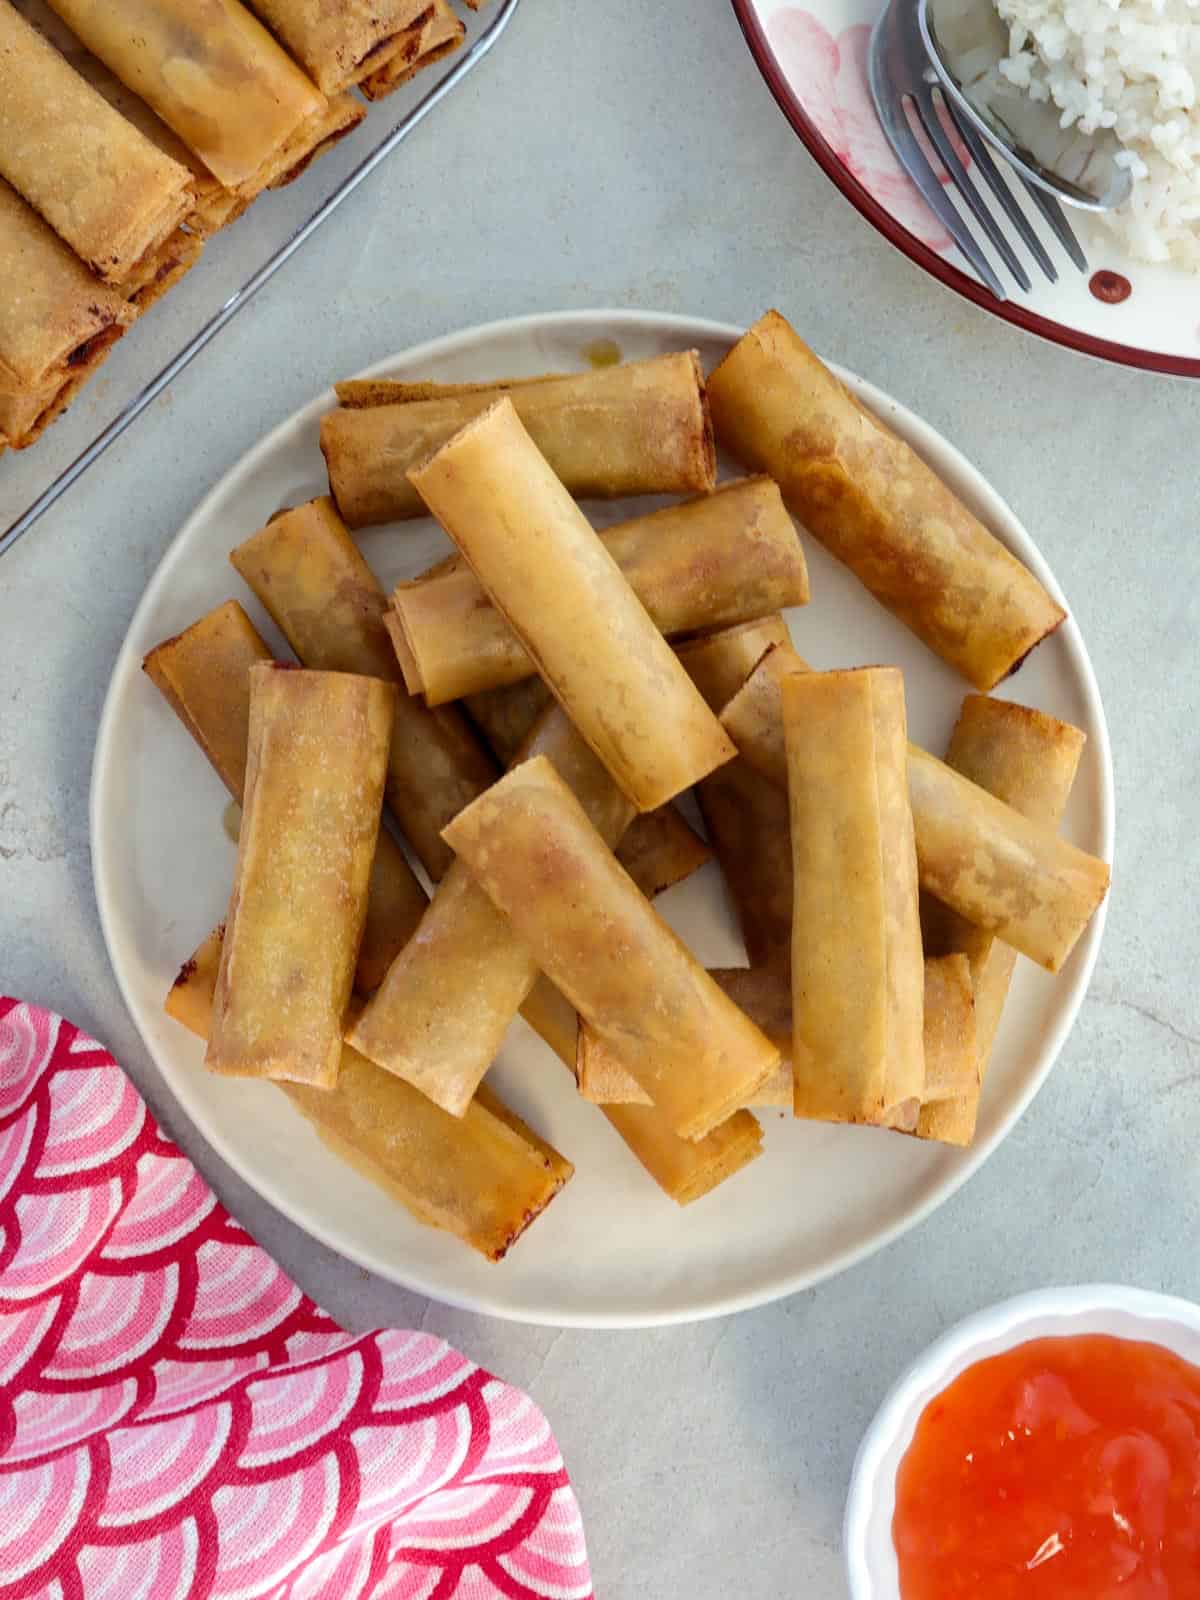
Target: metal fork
903	83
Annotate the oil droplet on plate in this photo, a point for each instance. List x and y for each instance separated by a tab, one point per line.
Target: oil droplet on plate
602	353
231	820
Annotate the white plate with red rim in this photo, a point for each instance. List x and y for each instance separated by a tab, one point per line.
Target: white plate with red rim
813	55
611	1251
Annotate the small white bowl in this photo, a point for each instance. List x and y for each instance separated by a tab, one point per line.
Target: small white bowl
871	1565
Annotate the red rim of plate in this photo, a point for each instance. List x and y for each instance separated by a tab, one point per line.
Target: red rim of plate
827	158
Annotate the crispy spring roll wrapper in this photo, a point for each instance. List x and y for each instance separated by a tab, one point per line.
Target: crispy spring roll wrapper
316	753
1001	871
99	183
312	579
723	558
442	1011
341	44
204	675
641	428
951	1049
435	34
857	971
312	139
57	319
483	1177
546	570
163	269
876	506
659	848
539	858
745	815
1028	760
211	71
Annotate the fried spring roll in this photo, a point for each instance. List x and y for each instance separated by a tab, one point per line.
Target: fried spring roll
951	1053
310	576
436	33
316	753
745	814
204	675
1001	871
99	183
211	72
163	268
339	45
659	848
57	321
636	429
546	570
312	139
876	506
1028	760
857	972
484	1177
724	558
440	1014
535	853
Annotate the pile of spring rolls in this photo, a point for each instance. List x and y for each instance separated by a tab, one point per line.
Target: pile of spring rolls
883	894
131	130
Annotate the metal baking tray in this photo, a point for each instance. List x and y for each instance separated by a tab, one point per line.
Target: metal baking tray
136	372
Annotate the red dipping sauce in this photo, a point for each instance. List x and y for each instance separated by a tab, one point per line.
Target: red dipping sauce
1065	1468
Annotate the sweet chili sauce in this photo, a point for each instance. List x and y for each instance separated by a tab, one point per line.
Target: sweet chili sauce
1064	1467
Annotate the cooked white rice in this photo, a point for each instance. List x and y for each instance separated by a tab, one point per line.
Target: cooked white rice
1133	66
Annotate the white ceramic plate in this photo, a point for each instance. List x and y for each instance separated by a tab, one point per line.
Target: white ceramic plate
612	1250
813	54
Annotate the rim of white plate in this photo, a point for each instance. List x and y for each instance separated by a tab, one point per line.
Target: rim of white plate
1000	518
1110	1308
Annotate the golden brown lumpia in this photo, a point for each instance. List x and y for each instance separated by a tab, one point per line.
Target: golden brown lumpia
533	850
211	71
876	506
162	269
309	574
204	675
440	1014
659	848
436	33
547	571
1028	760
312	139
99	183
483	1177
857	970
57	320
316	754
339	45
711	562
641	428
1008	875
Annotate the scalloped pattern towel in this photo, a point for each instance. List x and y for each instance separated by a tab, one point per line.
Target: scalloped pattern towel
179	1422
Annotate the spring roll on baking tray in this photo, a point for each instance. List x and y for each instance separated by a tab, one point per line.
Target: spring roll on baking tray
99	183
532	848
439	1016
857	971
1005	873
721	559
339	45
204	675
1028	760
659	848
316	752
547	571
57	321
213	73
876	506
641	428
435	34
309	574
483	1177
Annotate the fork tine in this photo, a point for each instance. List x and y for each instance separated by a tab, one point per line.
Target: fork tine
981	156
1056	221
926	106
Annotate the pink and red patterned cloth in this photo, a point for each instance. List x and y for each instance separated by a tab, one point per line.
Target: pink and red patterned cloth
179	1422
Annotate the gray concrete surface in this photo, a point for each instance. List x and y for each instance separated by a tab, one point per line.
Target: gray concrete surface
630	155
